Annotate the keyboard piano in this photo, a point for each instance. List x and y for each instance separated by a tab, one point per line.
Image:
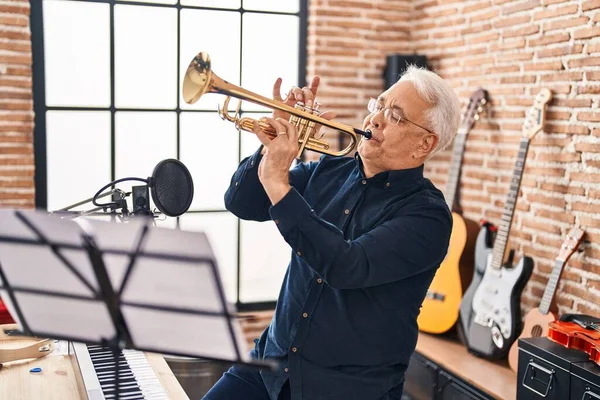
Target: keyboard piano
66	375
137	380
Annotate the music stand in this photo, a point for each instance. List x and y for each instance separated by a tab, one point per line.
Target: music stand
119	285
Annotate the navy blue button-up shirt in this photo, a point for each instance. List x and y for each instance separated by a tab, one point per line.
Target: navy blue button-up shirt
364	252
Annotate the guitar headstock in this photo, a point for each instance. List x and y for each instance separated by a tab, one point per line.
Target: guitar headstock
536	115
570	244
478	99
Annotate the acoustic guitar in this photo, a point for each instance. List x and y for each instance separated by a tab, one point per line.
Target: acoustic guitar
439	311
490	311
537	320
580	332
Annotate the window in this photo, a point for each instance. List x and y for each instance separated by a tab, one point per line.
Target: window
108	104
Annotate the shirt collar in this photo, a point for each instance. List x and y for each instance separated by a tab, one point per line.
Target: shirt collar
388	178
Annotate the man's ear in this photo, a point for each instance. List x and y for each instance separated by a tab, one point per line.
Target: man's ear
428	143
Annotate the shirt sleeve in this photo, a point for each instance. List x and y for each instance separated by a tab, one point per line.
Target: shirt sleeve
246	198
396	249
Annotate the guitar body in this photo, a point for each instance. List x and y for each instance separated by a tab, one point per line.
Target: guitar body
439	313
495	319
535	325
483	250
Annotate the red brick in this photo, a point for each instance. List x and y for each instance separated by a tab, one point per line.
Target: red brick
510	21
565	23
524	31
485	16
562	76
547	200
479	5
548	39
590	5
568	128
585	207
586	33
588	116
556	12
547	66
553	187
585	177
559	157
521	6
583	62
560	51
588	147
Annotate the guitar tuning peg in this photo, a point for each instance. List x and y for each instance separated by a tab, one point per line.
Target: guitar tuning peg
479	109
483	101
476	117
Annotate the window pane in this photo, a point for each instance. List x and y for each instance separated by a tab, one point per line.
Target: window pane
199	29
221	230
78	151
264	259
257	75
212	3
153	1
209	149
77	74
292	6
145	57
143	139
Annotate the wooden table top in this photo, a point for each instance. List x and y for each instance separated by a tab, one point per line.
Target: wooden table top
58	380
494	378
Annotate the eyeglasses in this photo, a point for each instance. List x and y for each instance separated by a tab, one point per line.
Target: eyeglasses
393	117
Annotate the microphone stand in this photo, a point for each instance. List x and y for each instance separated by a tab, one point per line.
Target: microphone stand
119	202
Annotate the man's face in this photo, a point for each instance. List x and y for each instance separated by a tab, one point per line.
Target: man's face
393	142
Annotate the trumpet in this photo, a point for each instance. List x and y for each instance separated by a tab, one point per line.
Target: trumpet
200	79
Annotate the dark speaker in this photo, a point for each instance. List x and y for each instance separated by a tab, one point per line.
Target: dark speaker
141	200
397	64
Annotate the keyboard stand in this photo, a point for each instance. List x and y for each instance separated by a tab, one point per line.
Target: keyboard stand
121	286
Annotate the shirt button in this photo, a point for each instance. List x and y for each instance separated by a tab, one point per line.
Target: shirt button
364	181
305	315
346	211
252	162
319	280
387	184
286	369
236	183
294	349
298	253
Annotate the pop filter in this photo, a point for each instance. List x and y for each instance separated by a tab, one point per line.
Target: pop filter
171	187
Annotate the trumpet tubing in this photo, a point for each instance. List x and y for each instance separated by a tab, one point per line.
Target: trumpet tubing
199	79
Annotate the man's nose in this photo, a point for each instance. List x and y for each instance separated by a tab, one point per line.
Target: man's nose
377	119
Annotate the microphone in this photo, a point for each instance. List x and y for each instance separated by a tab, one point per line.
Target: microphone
171	188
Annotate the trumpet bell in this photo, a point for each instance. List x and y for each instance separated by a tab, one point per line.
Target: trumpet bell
197	78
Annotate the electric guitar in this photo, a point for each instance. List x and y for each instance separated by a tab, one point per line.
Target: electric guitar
537	320
439	311
490	312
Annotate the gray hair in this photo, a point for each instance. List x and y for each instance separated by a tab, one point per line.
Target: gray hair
444	116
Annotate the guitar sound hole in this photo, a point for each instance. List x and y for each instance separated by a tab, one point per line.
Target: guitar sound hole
536	331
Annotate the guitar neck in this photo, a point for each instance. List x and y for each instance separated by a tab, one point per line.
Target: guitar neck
551	286
501	240
458	151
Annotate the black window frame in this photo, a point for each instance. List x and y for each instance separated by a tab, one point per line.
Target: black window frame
40	108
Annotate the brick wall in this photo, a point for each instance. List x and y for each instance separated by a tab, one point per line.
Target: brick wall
511	48
16	106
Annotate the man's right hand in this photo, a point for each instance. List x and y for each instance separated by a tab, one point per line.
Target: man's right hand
306	95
